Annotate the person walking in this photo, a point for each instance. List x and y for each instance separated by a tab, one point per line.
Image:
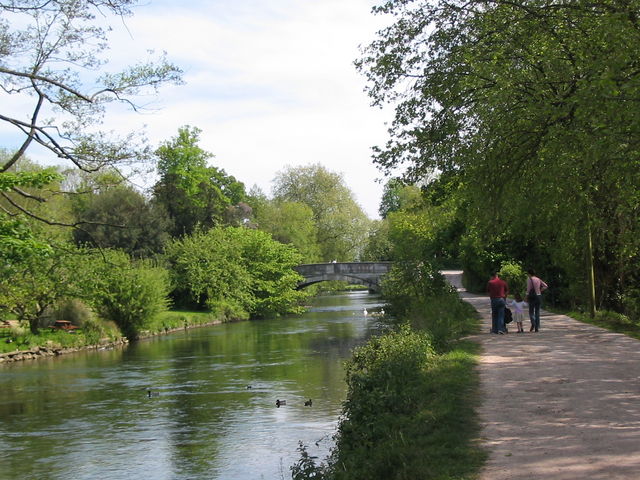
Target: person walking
518	305
535	287
498	291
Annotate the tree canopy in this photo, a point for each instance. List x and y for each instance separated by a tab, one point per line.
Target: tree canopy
193	193
56	92
532	105
341	223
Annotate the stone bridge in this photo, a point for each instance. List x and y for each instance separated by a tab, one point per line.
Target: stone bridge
363	273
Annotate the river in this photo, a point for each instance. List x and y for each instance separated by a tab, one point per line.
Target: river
212	411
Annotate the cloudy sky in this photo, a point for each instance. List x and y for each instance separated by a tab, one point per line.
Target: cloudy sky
269	83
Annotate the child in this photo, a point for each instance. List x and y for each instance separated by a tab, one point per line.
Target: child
518	306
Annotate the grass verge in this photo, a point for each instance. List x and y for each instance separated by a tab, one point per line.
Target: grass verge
21	339
608	320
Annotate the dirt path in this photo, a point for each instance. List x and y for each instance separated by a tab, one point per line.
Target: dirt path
560	404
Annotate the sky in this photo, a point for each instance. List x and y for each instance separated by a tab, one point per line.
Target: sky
271	84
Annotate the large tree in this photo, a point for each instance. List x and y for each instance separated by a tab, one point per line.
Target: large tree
193	193
342	225
122	218
56	89
533	104
290	223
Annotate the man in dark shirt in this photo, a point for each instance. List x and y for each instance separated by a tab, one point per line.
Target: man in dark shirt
498	291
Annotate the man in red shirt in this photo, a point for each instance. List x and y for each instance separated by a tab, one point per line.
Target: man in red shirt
498	291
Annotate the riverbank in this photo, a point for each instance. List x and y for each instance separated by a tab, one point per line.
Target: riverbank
186	320
40	352
412	401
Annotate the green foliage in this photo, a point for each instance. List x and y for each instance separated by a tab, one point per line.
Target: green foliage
515	276
33	284
611	321
445	317
290	223
305	468
382	377
193	194
408	413
22	339
378	246
207	268
130	294
172	319
613	318
74	310
17	238
235	271
38	179
533	110
18	242
121	218
341	224
631	303
270	267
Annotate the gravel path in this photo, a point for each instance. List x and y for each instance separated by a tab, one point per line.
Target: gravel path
560	404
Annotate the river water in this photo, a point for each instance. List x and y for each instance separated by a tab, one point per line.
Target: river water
212	412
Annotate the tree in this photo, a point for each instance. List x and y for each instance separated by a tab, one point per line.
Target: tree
33	283
291	223
342	225
51	53
193	193
378	247
53	57
270	266
121	218
533	105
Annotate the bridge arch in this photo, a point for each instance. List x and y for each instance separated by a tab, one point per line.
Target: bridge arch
362	273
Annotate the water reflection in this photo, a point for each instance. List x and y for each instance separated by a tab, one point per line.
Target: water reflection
212	415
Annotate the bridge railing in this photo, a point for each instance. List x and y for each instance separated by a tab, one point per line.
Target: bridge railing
342	268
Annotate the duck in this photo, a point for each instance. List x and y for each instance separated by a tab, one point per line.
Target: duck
279	403
308	403
151	394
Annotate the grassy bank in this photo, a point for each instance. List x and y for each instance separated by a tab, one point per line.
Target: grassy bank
611	321
410	411
91	333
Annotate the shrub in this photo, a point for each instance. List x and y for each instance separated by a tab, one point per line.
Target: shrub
631	302
74	310
132	296
515	276
385	379
226	310
445	318
613	318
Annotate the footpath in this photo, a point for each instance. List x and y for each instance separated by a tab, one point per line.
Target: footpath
561	404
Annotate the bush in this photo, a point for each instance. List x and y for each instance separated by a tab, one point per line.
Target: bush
133	295
74	310
631	302
613	318
385	380
226	310
445	318
515	276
